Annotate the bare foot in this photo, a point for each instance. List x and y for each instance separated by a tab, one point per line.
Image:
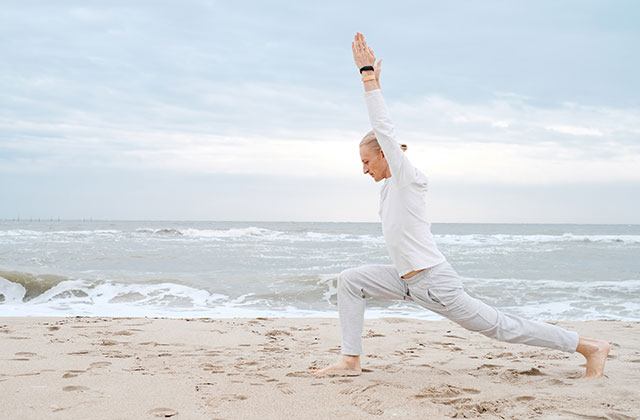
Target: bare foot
347	366
596	352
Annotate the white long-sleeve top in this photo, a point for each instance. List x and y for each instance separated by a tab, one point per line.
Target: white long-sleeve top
403	210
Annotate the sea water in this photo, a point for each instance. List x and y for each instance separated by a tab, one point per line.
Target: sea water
290	269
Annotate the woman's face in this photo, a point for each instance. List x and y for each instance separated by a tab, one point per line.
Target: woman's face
373	163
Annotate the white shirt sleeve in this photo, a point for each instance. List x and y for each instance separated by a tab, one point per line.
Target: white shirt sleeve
402	171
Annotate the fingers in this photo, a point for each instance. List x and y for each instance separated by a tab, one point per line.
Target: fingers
359	41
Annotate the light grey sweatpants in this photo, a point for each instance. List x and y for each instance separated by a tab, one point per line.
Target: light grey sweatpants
440	290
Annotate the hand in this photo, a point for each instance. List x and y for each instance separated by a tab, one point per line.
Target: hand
362	54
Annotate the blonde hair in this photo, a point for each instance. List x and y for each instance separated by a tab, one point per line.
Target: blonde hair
370	141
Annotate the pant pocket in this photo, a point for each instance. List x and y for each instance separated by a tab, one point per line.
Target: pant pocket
434	299
445	296
439	298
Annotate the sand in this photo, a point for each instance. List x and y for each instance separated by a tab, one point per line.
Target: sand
137	368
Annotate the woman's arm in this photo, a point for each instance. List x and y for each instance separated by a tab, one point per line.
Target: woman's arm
402	171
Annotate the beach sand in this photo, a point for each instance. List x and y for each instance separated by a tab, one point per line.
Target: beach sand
137	368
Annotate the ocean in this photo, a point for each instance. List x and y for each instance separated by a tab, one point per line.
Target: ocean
289	269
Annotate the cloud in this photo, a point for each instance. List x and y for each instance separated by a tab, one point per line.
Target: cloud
202	88
576	131
289	130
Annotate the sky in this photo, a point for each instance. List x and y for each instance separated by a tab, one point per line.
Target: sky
517	111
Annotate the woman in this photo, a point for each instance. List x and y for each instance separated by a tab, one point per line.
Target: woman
420	272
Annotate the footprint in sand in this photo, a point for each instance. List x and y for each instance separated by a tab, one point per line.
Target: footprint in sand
162	412
275	333
542	355
210	367
368	405
475	409
525	398
341	381
242	363
72	373
224	398
392	368
486	369
436	392
448	345
108	343
284	388
357	389
364	397
460	399
503	355
298	374
435	369
556	381
75	388
116	354
123	332
531	372
78	352
99	365
271	349
513	375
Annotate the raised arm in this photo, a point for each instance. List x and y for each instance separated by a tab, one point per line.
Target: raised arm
402	171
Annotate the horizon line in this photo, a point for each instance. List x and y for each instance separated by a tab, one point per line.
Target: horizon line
89	219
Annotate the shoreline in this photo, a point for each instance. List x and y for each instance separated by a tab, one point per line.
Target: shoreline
143	367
